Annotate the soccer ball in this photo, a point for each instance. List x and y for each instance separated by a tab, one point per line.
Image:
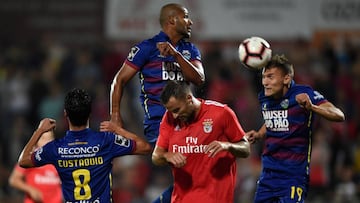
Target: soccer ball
254	53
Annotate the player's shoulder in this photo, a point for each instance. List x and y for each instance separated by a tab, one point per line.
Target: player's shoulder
212	103
302	86
152	41
147	44
186	44
216	109
214	106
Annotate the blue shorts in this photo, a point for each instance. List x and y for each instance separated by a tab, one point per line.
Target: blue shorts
151	131
277	187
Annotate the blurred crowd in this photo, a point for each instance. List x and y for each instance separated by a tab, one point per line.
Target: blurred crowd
34	76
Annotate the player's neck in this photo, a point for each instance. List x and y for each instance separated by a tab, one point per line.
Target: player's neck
174	36
78	128
197	105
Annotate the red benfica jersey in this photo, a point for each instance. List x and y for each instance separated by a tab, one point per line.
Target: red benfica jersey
46	180
202	179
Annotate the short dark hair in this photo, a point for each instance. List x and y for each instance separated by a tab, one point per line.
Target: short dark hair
77	105
175	88
169	10
280	61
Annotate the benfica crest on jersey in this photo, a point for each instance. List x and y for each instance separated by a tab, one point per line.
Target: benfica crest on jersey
207	125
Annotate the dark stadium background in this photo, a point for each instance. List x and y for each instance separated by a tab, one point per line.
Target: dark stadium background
47	47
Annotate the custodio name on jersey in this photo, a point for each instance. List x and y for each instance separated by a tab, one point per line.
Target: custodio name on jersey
92	161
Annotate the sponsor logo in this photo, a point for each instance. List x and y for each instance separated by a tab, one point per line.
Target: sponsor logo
191	146
284	104
38	153
186	54
122	141
207	125
171	71
133	51
177	128
276	120
49	178
78	150
264	107
318	95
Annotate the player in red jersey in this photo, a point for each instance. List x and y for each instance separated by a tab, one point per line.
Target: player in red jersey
200	139
39	184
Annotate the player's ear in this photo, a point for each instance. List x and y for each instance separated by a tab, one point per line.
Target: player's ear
287	80
189	98
172	20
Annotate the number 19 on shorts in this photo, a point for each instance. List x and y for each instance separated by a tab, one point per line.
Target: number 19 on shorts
296	193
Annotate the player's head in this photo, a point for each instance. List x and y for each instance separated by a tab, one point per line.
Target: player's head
78	107
174	19
178	99
277	76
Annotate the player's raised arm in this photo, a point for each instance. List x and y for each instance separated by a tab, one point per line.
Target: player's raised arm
326	110
45	125
142	146
192	71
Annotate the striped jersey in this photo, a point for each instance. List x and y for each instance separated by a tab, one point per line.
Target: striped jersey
154	70
83	160
288	131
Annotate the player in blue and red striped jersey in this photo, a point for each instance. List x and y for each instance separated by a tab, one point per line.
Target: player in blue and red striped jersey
288	111
83	158
200	140
166	56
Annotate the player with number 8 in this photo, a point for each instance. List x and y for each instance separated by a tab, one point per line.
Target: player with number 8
83	157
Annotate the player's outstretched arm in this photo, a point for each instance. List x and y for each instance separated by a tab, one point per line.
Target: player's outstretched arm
326	110
117	87
329	111
45	125
142	146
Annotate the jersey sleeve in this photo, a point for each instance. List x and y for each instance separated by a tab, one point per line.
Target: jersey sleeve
233	130
120	145
196	55
316	97
165	131
138	55
45	155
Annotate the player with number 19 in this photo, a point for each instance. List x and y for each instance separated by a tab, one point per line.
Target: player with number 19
83	158
288	111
